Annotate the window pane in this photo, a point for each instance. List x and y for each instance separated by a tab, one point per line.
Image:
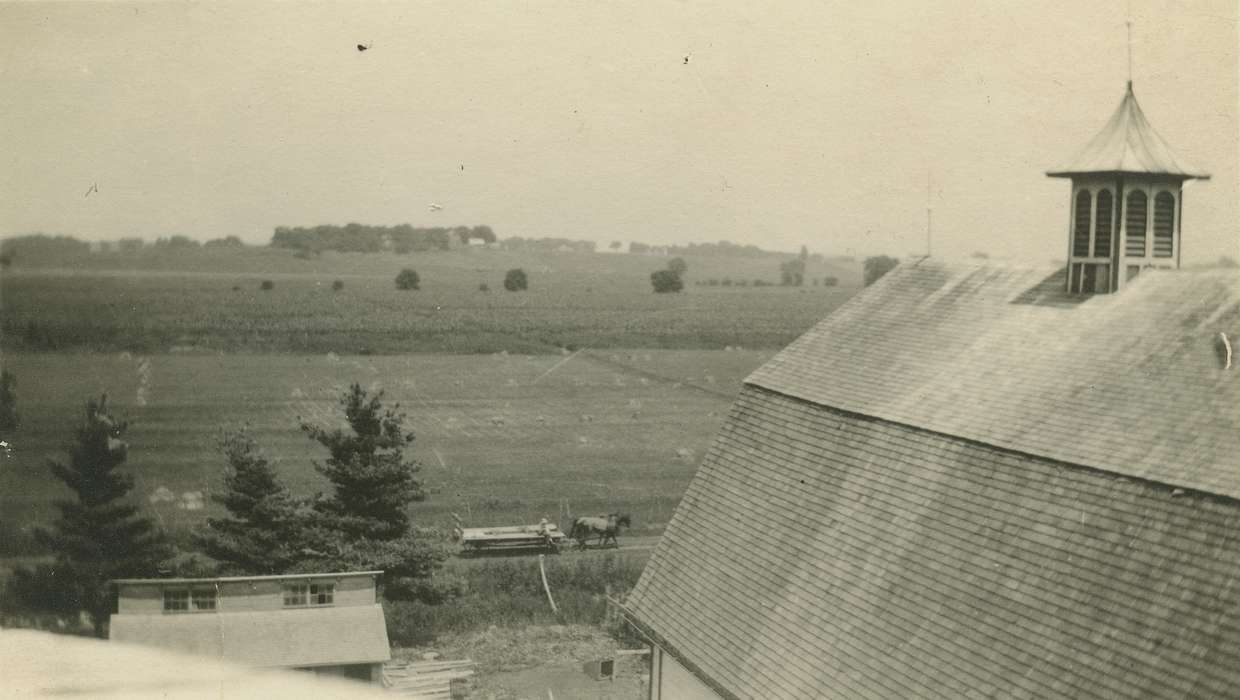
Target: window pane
1164	218
1134	219
203	598
295	594
1080	229
322	593
176	600
1102	224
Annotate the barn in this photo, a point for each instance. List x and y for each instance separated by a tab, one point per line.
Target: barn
978	480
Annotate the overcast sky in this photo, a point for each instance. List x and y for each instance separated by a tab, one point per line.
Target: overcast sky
800	122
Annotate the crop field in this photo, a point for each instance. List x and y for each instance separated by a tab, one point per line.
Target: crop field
503	438
211	300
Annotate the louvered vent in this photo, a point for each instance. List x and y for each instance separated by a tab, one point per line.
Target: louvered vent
1164	224
1080	229
1135	221
1102	225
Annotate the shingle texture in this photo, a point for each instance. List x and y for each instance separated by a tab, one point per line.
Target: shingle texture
285	638
965	484
1132	383
822	554
1128	144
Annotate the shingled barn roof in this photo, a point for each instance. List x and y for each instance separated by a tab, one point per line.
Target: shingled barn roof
1128	144
963	484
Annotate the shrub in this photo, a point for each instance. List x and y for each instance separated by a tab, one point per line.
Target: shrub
666	281
267	285
483	287
515	280
407	279
727	282
830	281
337	285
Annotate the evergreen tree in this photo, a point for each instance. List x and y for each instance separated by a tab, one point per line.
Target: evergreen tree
99	537
374	483
265	530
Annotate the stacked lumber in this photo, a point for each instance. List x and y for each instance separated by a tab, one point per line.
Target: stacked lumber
427	680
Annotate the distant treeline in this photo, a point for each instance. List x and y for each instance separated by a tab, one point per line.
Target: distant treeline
360	238
41	247
548	244
726	248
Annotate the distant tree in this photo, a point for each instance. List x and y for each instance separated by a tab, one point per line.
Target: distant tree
407	279
877	266
980	255
264	529
9	419
225	242
678	265
98	537
483	287
130	244
616	245
176	241
635	247
666	282
483	233
1227	262
6	260
830	281
726	282
337	285
267	285
792	272
374	483
515	280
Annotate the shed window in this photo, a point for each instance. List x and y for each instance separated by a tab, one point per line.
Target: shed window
1080	227
322	593
186	600
202	598
1103	224
176	600
295	595
302	594
1164	224
1134	219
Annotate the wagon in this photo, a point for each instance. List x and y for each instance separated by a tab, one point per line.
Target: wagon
515	537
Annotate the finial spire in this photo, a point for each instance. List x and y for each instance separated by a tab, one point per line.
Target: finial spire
1129	23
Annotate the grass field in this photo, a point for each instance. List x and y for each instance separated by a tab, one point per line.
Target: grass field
503	438
160	301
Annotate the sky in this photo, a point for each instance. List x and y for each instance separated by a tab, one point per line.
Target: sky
830	124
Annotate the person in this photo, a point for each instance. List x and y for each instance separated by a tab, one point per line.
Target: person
544	529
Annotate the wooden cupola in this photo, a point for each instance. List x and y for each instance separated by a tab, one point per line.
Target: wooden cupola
1126	198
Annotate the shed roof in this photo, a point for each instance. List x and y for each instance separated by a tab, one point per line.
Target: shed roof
1128	145
234	579
353	634
1130	383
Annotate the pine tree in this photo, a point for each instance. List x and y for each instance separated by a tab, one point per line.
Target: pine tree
265	530
98	537
374	483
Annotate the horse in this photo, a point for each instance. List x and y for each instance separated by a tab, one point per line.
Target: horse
605	526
